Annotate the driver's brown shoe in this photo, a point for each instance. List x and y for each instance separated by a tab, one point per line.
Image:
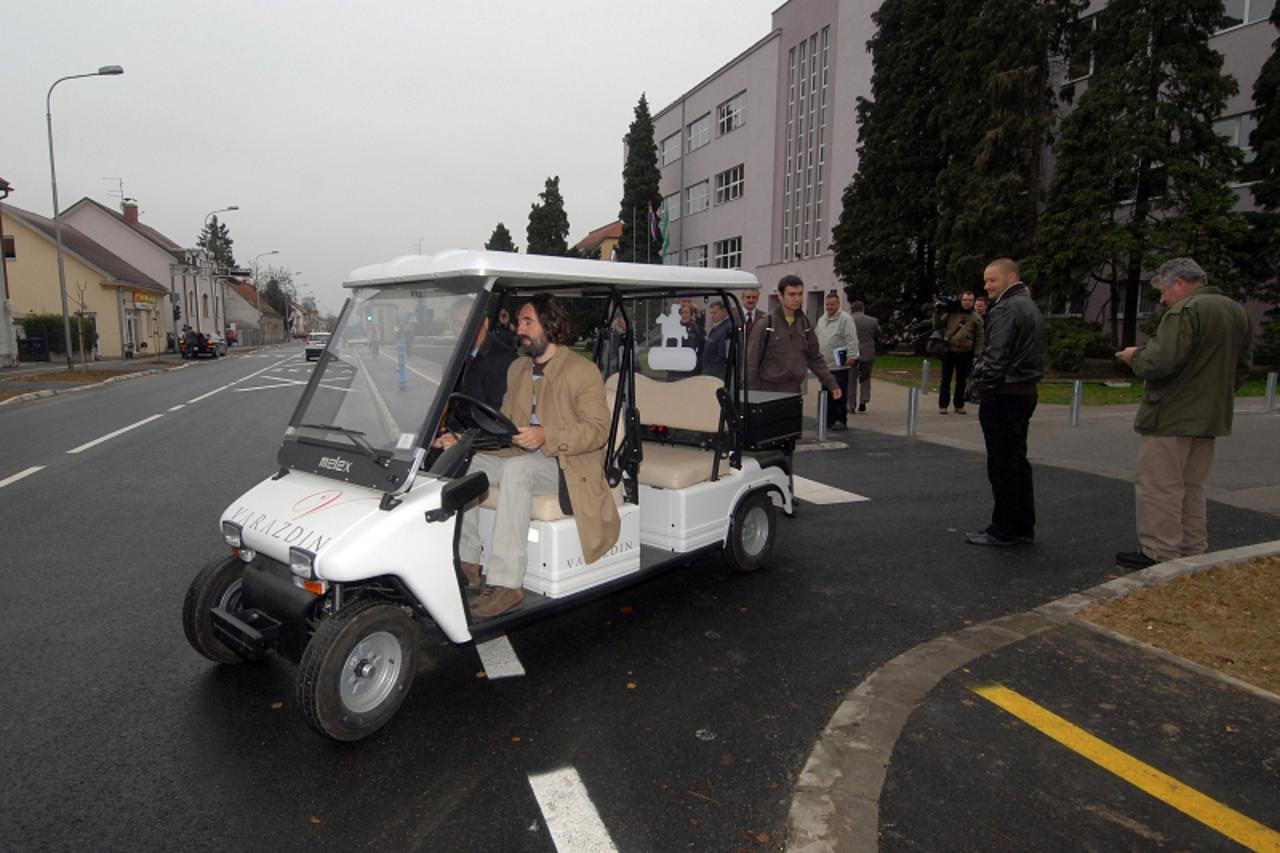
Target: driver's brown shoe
471	571
496	600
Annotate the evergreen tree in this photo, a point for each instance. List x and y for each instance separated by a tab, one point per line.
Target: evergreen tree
640	191
996	109
500	240
1141	176
1263	250
548	232
216	240
1265	138
884	241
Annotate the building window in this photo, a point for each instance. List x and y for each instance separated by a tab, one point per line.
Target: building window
697	197
671	205
729	184
204	300
806	142
8	248
729	254
1237	130
671	149
1239	12
699	132
695	257
731	115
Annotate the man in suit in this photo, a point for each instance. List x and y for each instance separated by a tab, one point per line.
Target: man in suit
751	314
715	350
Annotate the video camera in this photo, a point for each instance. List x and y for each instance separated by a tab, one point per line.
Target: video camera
947	302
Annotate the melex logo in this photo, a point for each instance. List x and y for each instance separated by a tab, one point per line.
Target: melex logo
336	463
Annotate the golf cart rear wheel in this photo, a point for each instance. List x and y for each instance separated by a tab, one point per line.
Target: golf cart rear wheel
357	670
216	585
751	533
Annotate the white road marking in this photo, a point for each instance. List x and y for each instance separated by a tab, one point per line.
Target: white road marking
112	435
821	493
499	658
210	394
571	817
34	468
179	406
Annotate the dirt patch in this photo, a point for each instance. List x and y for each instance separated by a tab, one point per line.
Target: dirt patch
76	377
1226	618
9	395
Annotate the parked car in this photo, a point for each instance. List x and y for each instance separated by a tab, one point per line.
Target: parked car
316	342
196	344
345	559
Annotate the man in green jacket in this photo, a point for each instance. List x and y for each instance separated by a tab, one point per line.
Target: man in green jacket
1192	368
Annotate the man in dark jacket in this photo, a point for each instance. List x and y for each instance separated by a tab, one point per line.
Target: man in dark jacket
485	376
784	345
962	328
1004	383
1197	360
715	350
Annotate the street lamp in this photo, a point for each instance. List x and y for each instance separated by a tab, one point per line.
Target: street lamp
104	71
212	268
262	335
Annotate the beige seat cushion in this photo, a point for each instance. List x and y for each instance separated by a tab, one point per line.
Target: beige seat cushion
545	507
670	467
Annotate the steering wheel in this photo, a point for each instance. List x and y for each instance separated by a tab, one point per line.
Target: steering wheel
479	414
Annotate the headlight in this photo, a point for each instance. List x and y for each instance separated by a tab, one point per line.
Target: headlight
231	534
302	563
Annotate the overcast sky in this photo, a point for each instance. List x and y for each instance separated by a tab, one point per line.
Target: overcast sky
347	132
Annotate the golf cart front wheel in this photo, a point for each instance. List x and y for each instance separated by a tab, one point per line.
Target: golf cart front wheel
357	670
751	532
216	585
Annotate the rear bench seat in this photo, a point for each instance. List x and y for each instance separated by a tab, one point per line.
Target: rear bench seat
688	404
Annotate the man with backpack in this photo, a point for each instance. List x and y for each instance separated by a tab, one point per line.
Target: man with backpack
782	347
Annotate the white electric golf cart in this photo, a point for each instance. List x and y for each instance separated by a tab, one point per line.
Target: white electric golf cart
347	555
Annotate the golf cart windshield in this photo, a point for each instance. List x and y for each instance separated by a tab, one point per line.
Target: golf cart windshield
380	378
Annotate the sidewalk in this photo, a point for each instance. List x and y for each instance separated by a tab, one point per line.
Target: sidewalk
1038	730
32	380
1246	471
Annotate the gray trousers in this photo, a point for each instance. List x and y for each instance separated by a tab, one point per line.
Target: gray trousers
1169	485
862	370
518	478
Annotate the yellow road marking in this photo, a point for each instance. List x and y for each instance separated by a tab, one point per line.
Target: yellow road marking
1213	814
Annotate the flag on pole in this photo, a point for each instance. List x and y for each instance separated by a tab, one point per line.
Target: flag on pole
653	224
666	229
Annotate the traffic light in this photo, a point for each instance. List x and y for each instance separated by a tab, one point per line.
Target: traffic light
369	317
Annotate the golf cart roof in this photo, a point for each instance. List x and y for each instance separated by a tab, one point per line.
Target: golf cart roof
454	263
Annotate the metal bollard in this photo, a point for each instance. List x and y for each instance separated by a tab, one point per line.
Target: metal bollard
925	369
1270	405
913	409
1077	397
822	414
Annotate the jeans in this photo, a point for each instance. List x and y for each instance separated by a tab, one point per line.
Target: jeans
959	363
1005	421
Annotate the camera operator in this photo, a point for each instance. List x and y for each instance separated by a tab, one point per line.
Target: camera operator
962	329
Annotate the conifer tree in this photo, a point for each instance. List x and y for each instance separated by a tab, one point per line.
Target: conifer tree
640	191
500	240
995	114
215	239
548	231
1140	174
884	241
1263	250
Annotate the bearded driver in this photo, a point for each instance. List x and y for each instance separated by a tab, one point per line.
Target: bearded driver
557	400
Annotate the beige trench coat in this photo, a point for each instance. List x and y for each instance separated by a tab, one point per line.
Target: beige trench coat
575	419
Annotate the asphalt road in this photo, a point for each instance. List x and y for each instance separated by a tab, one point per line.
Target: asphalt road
686	706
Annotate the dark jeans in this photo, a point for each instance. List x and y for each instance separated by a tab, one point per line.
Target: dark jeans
837	410
959	363
1005	420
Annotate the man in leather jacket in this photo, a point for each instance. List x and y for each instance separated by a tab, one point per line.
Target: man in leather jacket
1004	383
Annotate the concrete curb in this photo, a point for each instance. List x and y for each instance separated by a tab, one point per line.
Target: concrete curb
836	802
54	392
